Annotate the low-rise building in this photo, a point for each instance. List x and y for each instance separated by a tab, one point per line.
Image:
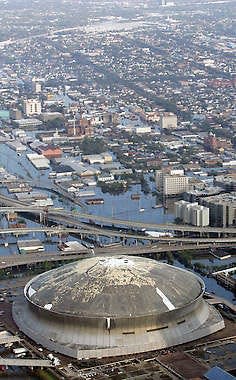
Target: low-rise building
51	151
38	160
196	194
98	158
49	116
28	246
27	123
106	177
17	146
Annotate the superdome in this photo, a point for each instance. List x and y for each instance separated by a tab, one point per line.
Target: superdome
114	287
105	306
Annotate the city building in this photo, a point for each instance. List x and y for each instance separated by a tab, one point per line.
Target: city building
222	209
110	118
102	158
79	127
115	305
192	213
15	114
226	181
168	120
36	87
196	194
171	182
32	107
50	151
27	123
49	116
214	144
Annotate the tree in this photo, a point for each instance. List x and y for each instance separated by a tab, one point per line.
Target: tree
113	187
93	145
57	123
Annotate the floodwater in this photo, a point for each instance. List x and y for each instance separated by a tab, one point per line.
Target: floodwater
118	206
210	283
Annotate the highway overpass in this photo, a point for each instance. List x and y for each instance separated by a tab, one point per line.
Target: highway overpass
96	231
73	217
34	258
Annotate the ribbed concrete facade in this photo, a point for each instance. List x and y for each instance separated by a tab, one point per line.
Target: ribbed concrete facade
118	305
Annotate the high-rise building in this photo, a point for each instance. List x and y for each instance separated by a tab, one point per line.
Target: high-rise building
210	142
79	127
32	107
110	118
168	120
171	182
15	114
199	216
37	87
222	209
73	127
192	213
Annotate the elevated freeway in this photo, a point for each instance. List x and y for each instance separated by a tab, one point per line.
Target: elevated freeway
141	225
70	217
18	260
111	233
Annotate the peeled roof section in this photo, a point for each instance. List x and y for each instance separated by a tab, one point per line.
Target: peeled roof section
117	286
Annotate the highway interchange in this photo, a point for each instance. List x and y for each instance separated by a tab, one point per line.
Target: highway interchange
83	224
11	205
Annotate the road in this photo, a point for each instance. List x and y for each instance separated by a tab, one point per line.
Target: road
34	258
214	300
83	29
25	362
140	225
72	217
57	230
226	271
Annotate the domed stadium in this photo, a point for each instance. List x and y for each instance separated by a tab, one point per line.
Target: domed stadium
118	305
